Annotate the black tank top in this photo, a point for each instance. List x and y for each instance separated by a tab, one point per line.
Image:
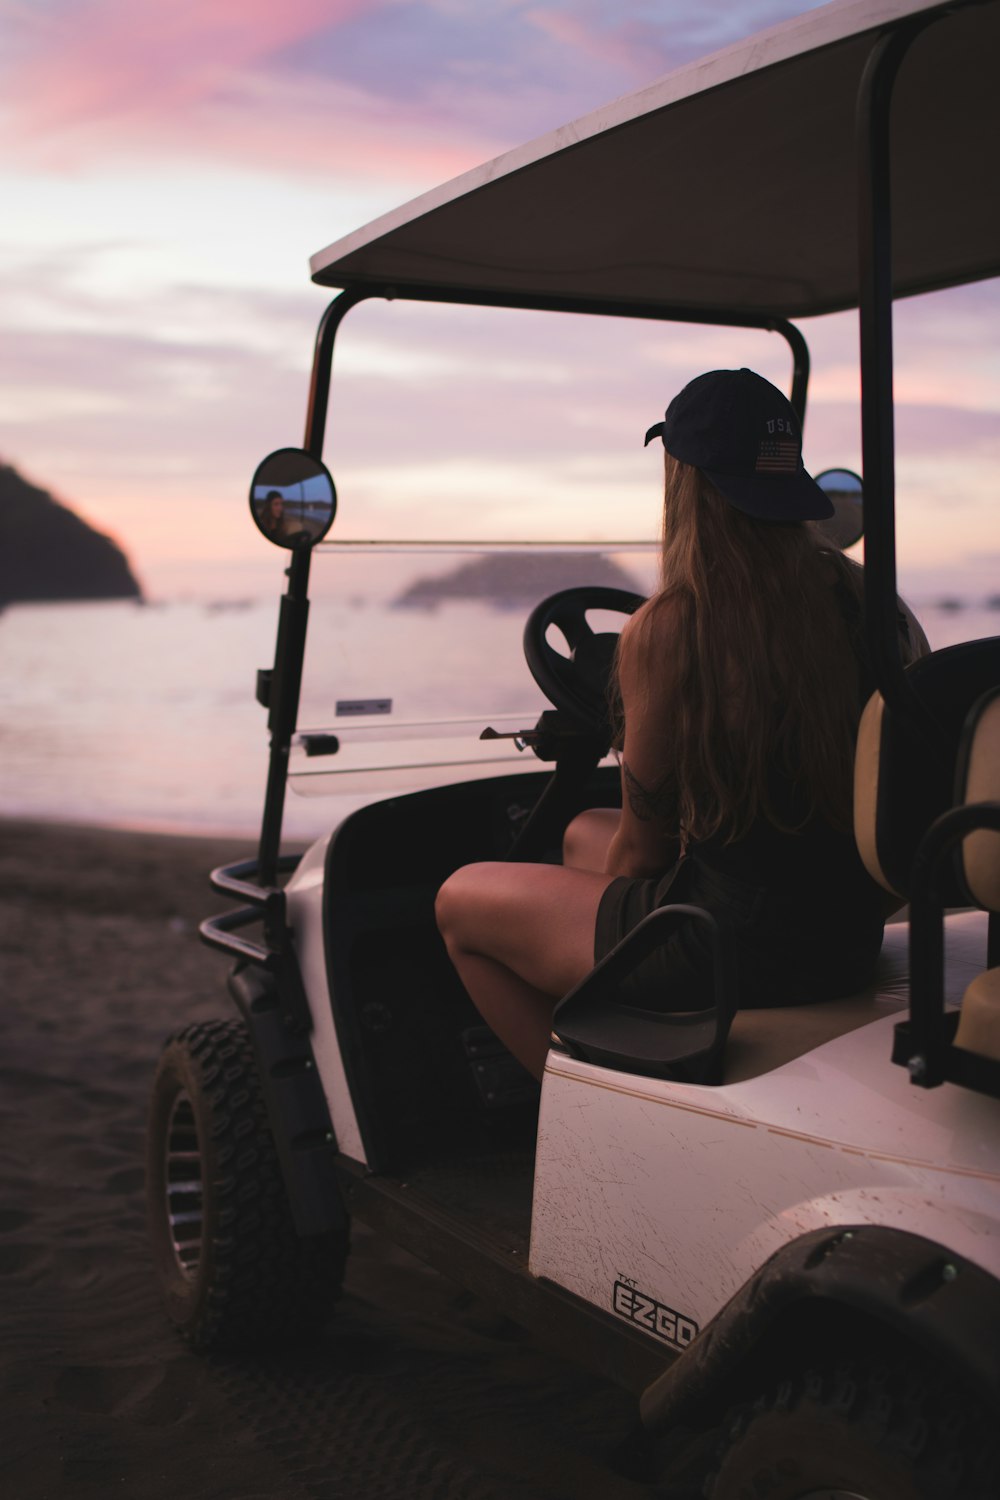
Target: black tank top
806	916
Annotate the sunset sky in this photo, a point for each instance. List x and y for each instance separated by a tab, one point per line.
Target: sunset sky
166	169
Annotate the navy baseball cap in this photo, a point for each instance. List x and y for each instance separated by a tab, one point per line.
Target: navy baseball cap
744	436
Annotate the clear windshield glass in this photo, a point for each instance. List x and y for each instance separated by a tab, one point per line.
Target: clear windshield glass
484	459
413	651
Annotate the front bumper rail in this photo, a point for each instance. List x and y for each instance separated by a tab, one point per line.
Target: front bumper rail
238	880
221	932
264	903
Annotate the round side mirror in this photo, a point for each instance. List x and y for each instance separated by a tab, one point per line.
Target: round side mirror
292	498
846	526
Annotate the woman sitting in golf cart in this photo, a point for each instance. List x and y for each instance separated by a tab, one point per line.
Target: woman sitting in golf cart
740	685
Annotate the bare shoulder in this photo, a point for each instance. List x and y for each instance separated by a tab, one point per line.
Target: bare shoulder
654	623
648	643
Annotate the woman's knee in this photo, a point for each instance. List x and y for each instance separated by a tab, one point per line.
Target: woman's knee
456	901
447	905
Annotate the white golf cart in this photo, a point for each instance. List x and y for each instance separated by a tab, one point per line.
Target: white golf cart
782	1228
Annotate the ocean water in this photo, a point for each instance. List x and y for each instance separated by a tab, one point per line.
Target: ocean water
145	716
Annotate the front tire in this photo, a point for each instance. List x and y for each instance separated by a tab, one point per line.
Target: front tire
864	1432
233	1272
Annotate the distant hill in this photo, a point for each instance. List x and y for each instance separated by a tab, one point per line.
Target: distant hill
511	580
47	553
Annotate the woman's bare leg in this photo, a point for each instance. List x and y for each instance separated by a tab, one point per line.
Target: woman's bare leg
587	837
520	937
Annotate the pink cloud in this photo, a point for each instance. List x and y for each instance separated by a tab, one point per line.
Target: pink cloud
115	80
269	124
631	45
111	60
333	128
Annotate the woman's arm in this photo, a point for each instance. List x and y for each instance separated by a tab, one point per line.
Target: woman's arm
644	844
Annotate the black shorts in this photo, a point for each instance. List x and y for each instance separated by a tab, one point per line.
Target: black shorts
788	949
678	975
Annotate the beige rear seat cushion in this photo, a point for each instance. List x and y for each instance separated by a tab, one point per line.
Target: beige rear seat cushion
979	1023
981	851
866	774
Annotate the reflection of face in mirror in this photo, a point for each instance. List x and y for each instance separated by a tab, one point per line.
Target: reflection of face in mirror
846	526
292	498
272	517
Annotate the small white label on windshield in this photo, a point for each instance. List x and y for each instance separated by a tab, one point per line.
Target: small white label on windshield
352	708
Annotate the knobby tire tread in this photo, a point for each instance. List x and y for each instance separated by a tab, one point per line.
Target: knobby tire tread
259	1282
853	1424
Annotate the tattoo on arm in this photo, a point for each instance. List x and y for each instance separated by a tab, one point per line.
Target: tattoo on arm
647	805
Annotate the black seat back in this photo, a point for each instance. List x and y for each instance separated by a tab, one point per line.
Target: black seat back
979	782
905	772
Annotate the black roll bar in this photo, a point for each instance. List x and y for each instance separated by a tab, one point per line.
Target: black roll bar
289	652
875	330
329	326
322	367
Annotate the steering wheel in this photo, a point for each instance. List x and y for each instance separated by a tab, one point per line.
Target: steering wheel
578	683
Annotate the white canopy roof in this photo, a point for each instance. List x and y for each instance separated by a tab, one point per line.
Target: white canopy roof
729	185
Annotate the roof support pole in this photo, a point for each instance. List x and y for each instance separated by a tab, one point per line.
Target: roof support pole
290	647
875	308
283	708
319	390
800	367
322	369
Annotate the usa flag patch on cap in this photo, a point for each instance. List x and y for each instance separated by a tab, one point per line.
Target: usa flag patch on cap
777	456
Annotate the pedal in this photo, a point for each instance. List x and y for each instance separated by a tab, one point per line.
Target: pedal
499	1077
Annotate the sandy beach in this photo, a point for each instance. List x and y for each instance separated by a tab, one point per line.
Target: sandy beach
417	1390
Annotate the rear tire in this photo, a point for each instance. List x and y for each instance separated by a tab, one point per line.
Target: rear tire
232	1269
860	1432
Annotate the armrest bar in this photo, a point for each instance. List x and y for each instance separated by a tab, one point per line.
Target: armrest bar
687	1044
928	1033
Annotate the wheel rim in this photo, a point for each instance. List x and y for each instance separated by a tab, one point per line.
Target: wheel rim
183	1187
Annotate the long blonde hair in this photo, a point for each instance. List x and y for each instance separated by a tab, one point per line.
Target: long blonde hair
765	676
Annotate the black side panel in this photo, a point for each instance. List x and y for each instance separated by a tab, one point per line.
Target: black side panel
488	1265
296	1105
916	776
401	1011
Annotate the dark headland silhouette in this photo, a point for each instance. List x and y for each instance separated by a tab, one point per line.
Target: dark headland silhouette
47	553
515	580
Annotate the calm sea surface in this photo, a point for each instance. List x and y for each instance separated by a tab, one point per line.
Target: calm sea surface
145	716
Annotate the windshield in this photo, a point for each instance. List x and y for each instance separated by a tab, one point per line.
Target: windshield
413	651
484	459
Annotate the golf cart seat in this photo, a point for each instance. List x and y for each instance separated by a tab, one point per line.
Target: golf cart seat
889	802
926	821
761	1040
979	868
905	770
905	779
